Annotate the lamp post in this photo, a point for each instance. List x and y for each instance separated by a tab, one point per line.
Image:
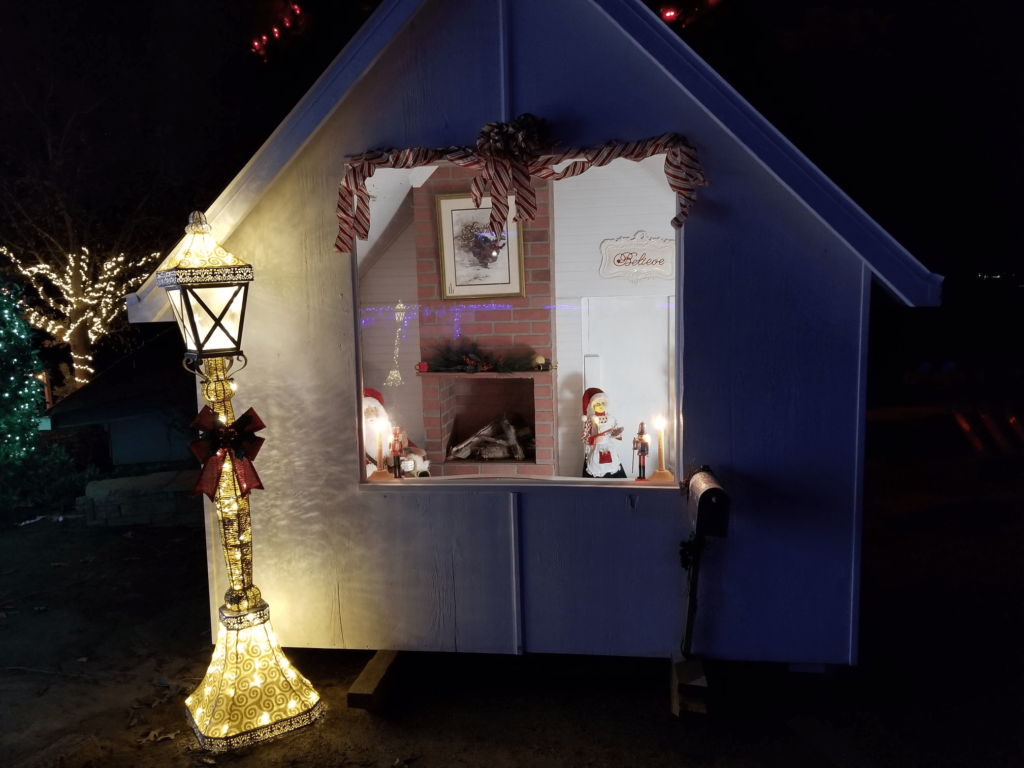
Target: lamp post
250	692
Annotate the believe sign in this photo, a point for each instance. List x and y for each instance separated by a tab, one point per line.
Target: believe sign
638	258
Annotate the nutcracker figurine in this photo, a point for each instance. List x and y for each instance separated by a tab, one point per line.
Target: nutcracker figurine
642	446
601	457
398	441
414	462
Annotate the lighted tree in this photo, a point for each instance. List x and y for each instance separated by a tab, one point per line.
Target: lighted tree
84	172
80	298
20	391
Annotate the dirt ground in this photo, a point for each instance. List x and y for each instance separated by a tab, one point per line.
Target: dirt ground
103	632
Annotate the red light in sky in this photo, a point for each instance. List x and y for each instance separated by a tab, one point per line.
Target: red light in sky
669	14
288	21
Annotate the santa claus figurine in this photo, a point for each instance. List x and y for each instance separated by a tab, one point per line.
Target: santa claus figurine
412	463
601	436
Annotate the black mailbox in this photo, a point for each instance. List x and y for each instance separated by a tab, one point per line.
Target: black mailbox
708	504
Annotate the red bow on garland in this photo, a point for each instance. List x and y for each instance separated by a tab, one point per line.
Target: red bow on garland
212	448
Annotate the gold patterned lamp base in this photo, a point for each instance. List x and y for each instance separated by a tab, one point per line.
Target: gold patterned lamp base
251	692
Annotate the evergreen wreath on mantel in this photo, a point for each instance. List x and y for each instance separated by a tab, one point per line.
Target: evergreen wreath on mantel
466	357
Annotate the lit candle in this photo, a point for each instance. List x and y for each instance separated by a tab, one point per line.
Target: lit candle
382	426
659	424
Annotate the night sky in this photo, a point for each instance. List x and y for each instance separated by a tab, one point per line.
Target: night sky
141	111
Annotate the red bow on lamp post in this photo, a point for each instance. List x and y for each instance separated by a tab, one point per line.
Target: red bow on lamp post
238	439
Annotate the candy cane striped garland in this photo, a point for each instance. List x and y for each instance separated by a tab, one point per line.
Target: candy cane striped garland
507	171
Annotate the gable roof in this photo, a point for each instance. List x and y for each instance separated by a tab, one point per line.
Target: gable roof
650	38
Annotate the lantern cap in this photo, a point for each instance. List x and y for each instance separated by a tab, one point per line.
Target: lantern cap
202	259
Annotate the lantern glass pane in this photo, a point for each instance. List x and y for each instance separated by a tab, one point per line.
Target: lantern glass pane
221	330
176	298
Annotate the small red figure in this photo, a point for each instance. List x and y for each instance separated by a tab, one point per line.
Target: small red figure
397	451
642	446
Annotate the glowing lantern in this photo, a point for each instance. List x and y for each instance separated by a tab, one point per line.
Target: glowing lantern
207	288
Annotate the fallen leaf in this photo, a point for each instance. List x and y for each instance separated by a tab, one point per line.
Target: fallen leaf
169	736
151	737
209	761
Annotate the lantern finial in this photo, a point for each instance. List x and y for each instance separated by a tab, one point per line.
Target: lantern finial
197	224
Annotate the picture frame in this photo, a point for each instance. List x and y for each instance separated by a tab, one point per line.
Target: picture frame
471	266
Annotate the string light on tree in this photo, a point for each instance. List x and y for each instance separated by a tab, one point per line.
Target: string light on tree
20	391
77	303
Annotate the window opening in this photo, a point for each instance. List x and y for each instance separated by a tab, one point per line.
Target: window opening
462	377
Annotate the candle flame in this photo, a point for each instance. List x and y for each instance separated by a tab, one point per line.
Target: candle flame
659	422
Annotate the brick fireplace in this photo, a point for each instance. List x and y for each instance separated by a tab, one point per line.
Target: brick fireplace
453	401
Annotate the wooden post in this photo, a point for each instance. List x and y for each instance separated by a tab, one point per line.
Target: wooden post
372	688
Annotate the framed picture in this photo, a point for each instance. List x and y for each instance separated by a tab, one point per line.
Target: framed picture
476	262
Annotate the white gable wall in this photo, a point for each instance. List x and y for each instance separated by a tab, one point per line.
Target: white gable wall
773	337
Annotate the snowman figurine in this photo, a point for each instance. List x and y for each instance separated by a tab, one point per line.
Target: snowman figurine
412	463
601	436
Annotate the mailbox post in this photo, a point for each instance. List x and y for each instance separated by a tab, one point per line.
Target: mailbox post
708	505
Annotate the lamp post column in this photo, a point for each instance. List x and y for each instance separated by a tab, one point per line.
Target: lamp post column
232	508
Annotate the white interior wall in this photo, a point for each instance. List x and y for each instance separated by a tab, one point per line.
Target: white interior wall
617	200
390	279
